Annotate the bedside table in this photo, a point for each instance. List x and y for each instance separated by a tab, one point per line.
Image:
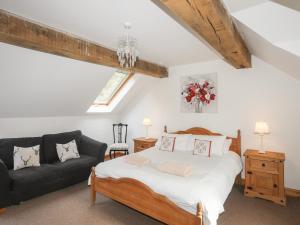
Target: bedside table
141	144
265	175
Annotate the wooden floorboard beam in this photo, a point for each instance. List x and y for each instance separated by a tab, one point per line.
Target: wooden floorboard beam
24	33
210	20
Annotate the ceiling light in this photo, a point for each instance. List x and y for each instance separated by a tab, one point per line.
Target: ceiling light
127	50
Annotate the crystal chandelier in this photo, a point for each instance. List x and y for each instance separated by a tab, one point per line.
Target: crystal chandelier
127	51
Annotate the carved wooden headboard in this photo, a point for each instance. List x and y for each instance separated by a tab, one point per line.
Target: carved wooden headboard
236	141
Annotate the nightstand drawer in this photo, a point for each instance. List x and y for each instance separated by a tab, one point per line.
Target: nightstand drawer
263	165
144	145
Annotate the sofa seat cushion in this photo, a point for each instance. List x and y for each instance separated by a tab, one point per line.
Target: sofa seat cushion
7	148
50	141
35	181
76	170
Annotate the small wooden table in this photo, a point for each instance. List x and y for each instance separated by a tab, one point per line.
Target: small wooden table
142	143
265	175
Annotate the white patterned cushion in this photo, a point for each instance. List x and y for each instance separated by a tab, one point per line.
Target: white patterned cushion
26	157
119	146
67	151
167	143
202	147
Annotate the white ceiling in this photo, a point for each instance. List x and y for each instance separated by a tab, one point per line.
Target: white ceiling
280	24
237	5
273	38
160	38
33	83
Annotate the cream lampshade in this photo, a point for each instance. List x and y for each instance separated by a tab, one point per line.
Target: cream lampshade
261	128
147	123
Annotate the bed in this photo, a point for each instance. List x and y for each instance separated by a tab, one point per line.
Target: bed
196	200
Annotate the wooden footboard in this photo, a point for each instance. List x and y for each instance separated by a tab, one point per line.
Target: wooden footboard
139	196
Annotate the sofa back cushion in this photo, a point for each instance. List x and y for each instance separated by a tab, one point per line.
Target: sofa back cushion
7	148
50	141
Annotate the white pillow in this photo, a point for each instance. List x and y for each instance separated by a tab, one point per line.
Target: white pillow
227	145
67	151
26	157
181	141
202	147
217	143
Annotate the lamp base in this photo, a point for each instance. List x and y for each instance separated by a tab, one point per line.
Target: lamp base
262	152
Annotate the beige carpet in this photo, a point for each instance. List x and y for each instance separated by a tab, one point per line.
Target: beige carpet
71	207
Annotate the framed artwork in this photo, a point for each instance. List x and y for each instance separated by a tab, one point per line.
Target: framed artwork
199	93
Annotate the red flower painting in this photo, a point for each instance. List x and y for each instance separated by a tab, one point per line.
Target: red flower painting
199	94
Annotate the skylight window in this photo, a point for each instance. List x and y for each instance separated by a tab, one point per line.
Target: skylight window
111	88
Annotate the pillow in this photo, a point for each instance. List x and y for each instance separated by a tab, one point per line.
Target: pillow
227	145
50	141
26	157
67	151
167	143
181	141
217	143
202	147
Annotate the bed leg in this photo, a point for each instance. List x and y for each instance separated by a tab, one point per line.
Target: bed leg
93	192
200	213
2	210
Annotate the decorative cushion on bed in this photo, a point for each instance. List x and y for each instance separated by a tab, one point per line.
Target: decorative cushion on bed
26	157
181	141
202	147
119	146
167	143
217	143
227	145
67	151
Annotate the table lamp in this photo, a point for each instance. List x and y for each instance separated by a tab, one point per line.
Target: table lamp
147	123
261	128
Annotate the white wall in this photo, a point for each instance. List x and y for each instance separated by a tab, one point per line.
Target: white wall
245	96
97	127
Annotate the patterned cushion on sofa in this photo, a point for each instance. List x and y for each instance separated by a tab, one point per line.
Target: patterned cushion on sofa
119	146
26	157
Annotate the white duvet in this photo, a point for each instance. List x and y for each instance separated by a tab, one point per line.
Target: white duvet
210	183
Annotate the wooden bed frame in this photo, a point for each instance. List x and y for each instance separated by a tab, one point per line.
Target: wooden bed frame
140	197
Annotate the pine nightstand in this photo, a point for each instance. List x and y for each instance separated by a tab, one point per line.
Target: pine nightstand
265	175
141	144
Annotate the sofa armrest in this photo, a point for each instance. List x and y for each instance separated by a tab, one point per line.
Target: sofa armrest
4	185
91	147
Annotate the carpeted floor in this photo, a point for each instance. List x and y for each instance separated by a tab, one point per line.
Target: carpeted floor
71	206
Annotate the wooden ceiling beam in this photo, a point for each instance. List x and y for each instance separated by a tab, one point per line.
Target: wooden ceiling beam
24	33
210	20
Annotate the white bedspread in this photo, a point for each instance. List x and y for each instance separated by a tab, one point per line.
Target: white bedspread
210	183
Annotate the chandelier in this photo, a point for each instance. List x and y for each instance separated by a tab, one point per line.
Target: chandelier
127	51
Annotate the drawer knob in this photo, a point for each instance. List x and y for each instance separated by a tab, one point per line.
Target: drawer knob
263	165
250	188
249	172
275	185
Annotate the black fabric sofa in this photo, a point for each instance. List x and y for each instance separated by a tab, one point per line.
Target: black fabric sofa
21	185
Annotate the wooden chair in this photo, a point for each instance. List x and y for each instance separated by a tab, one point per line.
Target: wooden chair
120	140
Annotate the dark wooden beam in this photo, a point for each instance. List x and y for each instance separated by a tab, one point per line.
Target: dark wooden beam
210	20
24	33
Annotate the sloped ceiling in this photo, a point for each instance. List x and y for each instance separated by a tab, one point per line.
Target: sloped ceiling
38	84
271	34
